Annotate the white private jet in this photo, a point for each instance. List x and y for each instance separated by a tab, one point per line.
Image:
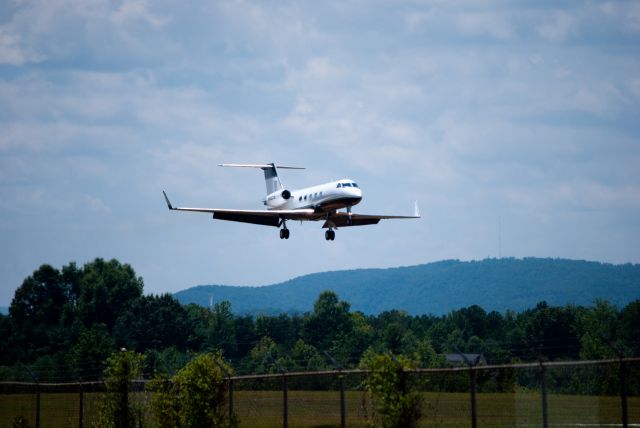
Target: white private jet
314	203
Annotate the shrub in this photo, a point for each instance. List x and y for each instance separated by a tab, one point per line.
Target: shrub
196	396
395	401
116	410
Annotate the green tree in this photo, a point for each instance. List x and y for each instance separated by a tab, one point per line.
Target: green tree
91	350
305	357
550	332
221	332
598	329
198	321
283	329
629	330
166	362
426	356
349	348
471	321
263	357
106	289
245	329
7	344
36	313
392	337
152	322
438	334
329	321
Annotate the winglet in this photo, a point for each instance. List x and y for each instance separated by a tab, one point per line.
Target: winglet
167	199
416	209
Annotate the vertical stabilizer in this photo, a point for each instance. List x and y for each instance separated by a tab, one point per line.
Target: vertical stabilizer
270	174
271	178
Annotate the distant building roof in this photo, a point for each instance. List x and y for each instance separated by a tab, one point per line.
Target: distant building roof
459	359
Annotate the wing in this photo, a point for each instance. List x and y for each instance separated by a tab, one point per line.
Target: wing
262	217
343	219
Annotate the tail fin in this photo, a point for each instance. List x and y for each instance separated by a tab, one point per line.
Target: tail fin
271	178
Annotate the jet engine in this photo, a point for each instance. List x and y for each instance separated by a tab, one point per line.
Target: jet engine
285	194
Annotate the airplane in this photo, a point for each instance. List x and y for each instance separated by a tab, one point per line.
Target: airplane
315	203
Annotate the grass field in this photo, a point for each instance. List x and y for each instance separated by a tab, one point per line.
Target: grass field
263	409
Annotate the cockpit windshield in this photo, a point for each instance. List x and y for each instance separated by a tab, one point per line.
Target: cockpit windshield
352	184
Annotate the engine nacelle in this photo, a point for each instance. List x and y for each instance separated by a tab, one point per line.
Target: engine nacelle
278	198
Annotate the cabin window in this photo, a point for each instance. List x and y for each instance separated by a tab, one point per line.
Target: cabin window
300	198
315	195
305	197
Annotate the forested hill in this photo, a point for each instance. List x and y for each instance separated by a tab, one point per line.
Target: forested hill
437	288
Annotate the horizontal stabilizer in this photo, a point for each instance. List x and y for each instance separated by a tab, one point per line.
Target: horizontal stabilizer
238	165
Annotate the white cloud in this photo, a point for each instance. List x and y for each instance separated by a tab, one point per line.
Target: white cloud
95	204
493	24
557	28
13	51
627	13
134	10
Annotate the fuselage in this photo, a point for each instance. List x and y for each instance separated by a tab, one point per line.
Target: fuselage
326	197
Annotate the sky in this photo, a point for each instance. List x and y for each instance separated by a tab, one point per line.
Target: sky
516	125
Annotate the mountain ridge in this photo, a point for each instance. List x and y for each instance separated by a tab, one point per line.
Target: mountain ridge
438	287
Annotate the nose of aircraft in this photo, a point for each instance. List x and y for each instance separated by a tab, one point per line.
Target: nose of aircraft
355	193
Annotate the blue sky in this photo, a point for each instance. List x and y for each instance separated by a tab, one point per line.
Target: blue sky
515	124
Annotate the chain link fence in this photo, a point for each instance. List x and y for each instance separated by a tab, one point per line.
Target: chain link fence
602	393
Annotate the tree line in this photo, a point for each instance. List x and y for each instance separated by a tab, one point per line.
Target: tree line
64	324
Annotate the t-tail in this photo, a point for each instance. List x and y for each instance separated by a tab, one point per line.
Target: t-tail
271	178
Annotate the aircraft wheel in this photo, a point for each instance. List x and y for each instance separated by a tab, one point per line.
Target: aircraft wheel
327	235
286	233
333	235
282	233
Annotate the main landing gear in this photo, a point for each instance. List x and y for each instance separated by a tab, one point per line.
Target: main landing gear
330	235
284	232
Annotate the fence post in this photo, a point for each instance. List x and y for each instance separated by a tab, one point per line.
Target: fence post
338	366
472	381
230	399
35	379
474	411
543	385
343	416
81	411
124	402
226	373
285	402
623	393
